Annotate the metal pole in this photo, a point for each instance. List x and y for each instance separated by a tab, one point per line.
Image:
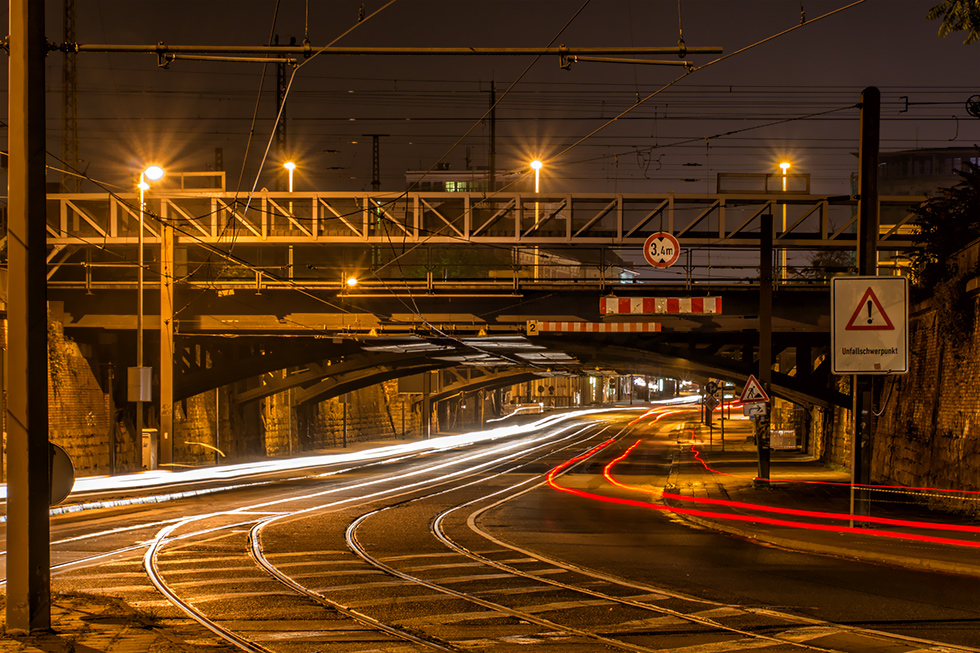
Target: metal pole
782	273
723	415
765	345
28	484
110	382
867	260
344	405
166	342
493	138
139	321
217	423
426	405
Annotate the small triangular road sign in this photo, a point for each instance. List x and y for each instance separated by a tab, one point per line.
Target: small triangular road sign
869	315
753	392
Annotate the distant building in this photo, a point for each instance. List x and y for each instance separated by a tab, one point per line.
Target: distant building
472	180
922	172
528	262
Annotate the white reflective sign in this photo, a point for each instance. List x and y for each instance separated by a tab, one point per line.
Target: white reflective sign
869	325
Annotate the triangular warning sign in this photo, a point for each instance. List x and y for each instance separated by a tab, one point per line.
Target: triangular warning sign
869	315
752	392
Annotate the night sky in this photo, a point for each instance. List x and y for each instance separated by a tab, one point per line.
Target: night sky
132	112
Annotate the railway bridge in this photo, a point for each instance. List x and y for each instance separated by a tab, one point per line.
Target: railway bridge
324	293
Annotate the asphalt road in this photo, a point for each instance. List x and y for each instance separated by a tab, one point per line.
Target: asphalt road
472	549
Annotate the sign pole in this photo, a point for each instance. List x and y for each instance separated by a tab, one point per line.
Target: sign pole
723	416
867	255
765	346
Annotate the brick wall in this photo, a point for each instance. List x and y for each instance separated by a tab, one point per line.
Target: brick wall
833	430
928	434
78	416
267	428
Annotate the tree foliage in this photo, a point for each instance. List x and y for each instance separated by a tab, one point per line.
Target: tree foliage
958	16
947	223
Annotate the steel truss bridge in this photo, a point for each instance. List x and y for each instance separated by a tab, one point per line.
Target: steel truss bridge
698	220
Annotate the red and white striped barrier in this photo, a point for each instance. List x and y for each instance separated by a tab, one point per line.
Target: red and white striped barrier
660	305
534	327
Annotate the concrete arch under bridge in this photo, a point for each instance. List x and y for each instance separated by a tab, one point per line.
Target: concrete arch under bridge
318	370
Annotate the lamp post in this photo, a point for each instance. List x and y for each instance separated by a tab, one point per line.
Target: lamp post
152	173
536	165
290	166
784	166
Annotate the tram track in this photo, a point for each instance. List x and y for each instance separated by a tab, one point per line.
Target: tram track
252	545
352	595
438	532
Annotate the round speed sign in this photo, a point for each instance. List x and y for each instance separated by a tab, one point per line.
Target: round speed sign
661	250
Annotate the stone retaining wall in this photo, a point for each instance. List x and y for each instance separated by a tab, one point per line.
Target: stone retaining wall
928	433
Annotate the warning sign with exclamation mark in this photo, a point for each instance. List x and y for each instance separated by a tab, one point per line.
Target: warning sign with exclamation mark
869	315
869	319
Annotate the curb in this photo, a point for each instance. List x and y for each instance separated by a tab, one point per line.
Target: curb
805	546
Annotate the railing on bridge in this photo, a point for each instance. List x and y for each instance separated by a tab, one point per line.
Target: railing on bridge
434	242
709	220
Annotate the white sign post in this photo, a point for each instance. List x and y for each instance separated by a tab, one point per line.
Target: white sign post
869	325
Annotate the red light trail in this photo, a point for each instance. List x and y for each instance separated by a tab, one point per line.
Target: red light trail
607	474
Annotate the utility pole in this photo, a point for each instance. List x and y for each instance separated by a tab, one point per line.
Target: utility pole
70	183
282	149
762	424
867	260
376	160
28	480
493	138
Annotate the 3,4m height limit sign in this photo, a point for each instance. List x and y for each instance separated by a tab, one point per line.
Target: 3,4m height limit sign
869	325
661	250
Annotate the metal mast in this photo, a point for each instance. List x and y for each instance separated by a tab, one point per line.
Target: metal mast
69	110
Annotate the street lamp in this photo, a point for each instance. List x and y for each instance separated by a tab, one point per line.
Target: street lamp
152	173
536	165
784	166
290	166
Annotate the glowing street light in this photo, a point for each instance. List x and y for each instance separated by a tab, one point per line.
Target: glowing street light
290	166
536	165
152	173
784	166
351	281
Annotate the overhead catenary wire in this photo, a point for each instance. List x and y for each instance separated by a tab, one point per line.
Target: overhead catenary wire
582	139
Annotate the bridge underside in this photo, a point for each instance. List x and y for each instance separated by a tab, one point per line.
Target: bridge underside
293	343
254	290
